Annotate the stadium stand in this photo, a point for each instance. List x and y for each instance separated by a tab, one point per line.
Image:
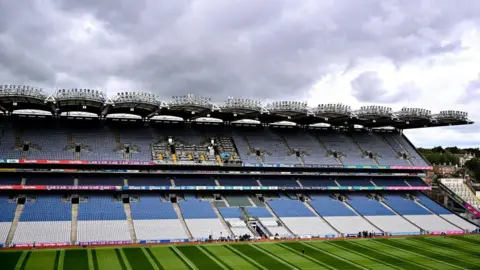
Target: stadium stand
201	219
299	219
380	216
234	217
279	198
154	219
101	218
45	219
445	213
417	214
463	191
7	213
340	216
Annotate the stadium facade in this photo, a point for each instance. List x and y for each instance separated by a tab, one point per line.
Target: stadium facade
75	171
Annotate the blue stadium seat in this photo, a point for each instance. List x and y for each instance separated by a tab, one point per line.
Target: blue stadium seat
47	208
230	212
404	206
196	209
366	207
150	207
101	207
258	212
290	208
327	207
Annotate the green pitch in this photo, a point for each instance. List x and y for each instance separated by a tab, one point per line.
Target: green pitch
456	252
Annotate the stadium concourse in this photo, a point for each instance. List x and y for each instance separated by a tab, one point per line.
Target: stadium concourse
166	175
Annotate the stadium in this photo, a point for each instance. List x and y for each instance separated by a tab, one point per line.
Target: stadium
136	182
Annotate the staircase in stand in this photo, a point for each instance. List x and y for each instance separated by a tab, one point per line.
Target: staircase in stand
278	219
220	217
360	215
13	228
320	217
131	228
182	220
326	150
18	139
73	234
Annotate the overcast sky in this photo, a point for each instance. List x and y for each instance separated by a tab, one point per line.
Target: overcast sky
415	53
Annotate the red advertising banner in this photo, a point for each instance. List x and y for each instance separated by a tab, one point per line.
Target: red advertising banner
43	245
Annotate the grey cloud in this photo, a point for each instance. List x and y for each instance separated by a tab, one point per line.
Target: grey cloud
260	49
368	87
472	92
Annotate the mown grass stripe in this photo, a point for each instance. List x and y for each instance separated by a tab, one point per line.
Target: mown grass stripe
25	261
321	256
154	259
274	256
21	260
95	260
390	246
467	239
9	260
266	261
306	256
362	255
61	259
448	246
371	252
57	258
75	259
197	257
333	255
248	259
187	262
225	265
428	253
120	259
137	259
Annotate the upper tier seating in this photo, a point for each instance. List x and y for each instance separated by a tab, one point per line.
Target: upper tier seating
51	180
350	153
155	220
10	179
385	182
149	181
399	142
310	148
272	147
102	218
45	219
317	182
354	182
416	182
99	142
279	182
464	192
100	180
227	181
381	150
7	213
194	181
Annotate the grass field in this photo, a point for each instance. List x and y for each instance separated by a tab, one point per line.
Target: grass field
455	252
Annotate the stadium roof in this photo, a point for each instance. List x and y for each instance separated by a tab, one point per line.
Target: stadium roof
191	107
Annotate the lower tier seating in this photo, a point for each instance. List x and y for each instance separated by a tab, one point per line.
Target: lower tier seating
432	223
4	229
238	227
102	230
460	222
159	229
43	232
272	225
393	224
201	228
308	226
351	224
